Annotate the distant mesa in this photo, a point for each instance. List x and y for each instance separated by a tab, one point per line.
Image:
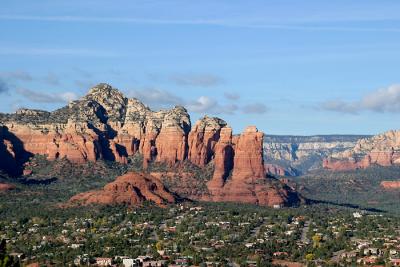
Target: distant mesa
382	150
105	124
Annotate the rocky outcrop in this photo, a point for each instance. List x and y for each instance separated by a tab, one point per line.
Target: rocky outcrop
382	150
302	154
203	139
247	182
390	185
130	189
223	161
275	170
73	140
105	124
4	187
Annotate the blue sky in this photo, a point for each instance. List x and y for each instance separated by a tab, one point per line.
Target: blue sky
289	67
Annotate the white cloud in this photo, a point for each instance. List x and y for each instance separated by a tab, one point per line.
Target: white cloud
155	97
202	104
381	100
41	97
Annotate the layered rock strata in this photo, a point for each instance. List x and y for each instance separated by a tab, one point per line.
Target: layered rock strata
382	150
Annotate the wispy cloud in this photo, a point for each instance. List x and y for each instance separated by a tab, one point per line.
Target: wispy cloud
255	108
158	98
41	97
52	79
155	97
18	75
231	96
302	25
29	51
3	86
199	80
381	100
209	105
9	79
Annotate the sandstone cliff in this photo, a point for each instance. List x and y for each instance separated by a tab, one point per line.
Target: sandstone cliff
130	189
105	124
297	155
382	149
389	185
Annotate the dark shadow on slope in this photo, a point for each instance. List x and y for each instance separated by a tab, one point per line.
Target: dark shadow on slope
346	205
33	181
9	163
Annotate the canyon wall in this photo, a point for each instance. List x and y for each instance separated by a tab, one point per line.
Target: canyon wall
382	150
297	155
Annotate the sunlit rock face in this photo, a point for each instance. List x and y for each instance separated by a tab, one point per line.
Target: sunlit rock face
130	189
382	149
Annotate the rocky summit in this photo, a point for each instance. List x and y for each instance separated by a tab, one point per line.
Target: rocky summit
105	124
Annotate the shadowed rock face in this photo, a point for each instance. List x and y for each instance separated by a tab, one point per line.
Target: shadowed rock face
106	125
12	153
130	189
382	149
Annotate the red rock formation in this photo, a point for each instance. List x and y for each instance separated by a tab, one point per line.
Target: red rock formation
223	161
390	185
171	145
131	189
6	187
106	125
203	138
382	149
247	183
76	141
275	170
248	161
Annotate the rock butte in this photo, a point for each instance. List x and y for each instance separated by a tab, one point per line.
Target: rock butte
130	189
104	124
382	150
